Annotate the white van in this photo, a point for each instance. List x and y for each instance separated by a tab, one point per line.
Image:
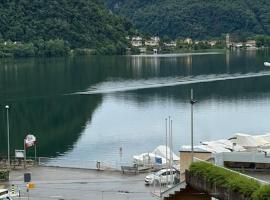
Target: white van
4	194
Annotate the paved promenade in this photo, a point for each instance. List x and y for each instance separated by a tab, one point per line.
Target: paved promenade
71	184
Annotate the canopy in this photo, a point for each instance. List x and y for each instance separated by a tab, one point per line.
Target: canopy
161	151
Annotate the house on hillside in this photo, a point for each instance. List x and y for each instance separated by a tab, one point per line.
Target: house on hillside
238	45
136	41
154	41
188	41
251	43
212	43
170	44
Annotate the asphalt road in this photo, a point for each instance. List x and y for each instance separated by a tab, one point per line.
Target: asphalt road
71	184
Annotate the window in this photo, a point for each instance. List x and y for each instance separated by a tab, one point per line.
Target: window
163	174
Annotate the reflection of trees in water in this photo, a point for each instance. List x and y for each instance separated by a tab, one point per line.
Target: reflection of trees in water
42	77
56	122
141	66
46	77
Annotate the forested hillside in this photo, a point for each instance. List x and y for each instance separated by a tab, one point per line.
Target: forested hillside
80	23
196	18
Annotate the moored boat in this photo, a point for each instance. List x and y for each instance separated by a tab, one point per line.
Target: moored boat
267	64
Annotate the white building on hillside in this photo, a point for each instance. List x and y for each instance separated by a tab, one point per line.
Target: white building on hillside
170	44
154	41
136	41
251	43
188	41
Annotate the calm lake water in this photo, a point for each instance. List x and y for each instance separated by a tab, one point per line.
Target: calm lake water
86	108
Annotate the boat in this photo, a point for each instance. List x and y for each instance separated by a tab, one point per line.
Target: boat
156	158
266	64
240	142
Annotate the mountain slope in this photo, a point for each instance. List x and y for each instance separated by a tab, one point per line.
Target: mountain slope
83	23
196	18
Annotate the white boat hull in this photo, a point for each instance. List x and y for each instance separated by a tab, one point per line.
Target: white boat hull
267	64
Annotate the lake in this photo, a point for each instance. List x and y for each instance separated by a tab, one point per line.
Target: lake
87	108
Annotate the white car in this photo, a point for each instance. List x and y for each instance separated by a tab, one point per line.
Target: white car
4	194
163	176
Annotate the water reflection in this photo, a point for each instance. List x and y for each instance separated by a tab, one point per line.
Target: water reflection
141	66
56	122
45	101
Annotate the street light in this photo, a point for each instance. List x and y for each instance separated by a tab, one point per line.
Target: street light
7	107
192	102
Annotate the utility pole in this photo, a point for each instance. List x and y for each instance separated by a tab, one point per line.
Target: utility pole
170	161
8	142
171	155
166	121
192	102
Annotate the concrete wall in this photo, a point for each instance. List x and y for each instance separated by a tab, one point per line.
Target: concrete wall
249	157
243	160
185	159
219	192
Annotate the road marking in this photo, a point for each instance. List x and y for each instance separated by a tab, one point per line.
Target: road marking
56	197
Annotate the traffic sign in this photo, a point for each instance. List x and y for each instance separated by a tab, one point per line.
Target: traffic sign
27	177
31	185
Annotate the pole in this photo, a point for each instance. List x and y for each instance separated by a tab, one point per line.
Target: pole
166	140
171	156
8	150
169	166
192	145
192	102
24	153
166	150
35	154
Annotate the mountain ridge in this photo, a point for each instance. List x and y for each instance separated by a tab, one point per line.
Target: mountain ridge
81	23
196	18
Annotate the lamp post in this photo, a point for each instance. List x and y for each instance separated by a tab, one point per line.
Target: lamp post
192	102
8	150
166	150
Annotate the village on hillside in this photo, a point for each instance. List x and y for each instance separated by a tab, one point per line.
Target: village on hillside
156	44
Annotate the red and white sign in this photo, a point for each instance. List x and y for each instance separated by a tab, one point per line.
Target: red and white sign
30	141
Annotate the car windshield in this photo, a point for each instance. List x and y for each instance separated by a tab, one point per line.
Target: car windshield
162	172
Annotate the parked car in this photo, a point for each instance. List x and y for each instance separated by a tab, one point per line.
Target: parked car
163	176
4	194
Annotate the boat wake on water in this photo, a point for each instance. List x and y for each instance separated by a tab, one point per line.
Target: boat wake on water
123	86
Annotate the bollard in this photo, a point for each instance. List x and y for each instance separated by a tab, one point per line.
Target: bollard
98	165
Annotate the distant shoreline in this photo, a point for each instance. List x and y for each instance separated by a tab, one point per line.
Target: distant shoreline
176	54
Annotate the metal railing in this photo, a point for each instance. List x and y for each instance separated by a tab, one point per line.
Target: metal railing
78	163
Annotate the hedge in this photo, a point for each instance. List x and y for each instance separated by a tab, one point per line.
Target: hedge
231	180
4	175
262	194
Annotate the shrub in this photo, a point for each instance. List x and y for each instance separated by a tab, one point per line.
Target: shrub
230	180
4	175
262	194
